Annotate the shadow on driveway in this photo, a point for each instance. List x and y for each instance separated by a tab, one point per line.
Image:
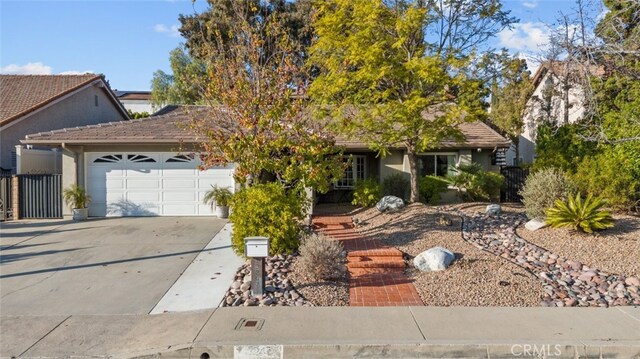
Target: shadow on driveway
89	265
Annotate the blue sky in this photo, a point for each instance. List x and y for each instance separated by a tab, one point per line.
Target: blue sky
129	40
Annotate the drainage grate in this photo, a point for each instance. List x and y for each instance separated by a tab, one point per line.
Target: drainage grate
250	324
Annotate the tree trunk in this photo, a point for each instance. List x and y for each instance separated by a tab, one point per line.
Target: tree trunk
413	169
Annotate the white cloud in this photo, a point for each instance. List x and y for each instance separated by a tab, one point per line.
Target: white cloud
530	4
528	37
31	68
171	31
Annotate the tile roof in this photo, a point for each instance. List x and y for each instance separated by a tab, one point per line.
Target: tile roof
171	128
22	94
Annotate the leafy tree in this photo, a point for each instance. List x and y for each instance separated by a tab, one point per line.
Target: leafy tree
390	81
602	150
509	97
181	87
137	115
258	119
217	23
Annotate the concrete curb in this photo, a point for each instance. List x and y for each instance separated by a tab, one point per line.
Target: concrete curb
343	332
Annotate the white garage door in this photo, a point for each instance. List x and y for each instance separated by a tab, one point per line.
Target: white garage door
150	184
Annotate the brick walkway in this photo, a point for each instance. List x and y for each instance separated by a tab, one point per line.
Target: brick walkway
377	271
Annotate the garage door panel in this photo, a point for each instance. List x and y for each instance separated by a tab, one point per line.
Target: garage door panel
204	209
179	196
135	196
143	172
170	183
207	183
135	185
143	183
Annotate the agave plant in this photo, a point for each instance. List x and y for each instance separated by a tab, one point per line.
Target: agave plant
584	215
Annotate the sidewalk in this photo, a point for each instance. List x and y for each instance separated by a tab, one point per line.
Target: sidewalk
376	271
396	332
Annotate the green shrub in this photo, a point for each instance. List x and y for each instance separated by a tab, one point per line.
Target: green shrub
479	185
396	185
366	192
542	189
322	258
584	215
267	210
613	174
430	188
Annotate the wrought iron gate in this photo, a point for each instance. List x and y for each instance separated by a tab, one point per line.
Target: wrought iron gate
6	200
514	178
40	196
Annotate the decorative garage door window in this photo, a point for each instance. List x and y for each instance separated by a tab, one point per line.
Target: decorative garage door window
181	158
140	158
108	159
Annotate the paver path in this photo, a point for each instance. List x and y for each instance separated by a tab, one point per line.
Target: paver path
377	271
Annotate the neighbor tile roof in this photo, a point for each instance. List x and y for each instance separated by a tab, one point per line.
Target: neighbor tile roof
172	128
22	94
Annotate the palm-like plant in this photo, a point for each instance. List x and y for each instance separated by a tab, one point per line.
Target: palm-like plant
584	215
76	196
217	196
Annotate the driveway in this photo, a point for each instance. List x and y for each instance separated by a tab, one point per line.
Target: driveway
99	266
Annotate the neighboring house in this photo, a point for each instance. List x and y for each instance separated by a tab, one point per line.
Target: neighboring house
136	101
547	103
40	103
144	167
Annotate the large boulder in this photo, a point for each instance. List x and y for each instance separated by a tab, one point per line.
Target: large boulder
389	203
535	224
434	259
494	210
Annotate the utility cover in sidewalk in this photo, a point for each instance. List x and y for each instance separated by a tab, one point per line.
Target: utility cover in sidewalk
250	324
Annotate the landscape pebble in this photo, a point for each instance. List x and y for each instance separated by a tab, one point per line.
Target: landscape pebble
279	291
567	282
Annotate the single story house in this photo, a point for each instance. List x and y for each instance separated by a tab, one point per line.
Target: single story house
38	103
144	167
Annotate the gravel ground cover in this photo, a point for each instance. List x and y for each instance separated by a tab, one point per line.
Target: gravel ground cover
320	293
475	278
286	284
279	289
615	250
567	281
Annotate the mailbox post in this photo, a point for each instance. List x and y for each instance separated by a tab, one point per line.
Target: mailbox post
257	248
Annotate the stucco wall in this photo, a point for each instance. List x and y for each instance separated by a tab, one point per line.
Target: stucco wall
77	110
534	113
36	161
392	164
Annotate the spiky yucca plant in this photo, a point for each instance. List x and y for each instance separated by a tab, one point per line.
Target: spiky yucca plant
581	214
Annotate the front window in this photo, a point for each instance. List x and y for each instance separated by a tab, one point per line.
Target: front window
353	173
437	165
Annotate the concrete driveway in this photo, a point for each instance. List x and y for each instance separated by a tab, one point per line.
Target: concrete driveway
99	266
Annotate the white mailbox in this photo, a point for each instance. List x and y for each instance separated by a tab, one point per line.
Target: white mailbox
256	247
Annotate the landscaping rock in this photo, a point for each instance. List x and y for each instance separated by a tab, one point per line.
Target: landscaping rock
535	224
278	289
434	259
493	210
392	203
567	282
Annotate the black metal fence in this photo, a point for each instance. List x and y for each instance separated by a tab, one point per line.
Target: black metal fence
514	178
6	199
40	196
